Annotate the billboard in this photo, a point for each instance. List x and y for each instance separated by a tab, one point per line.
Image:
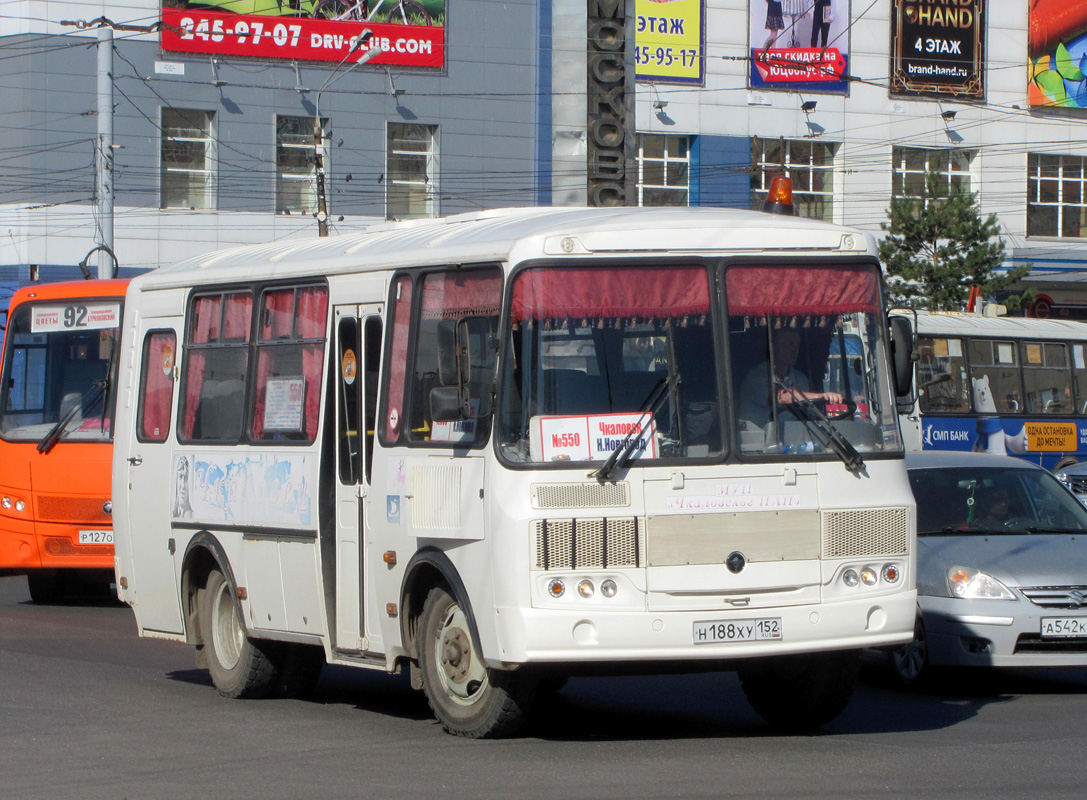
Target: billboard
1057	44
938	49
670	41
799	45
404	33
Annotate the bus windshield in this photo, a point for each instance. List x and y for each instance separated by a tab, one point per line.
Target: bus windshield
808	360
605	358
57	362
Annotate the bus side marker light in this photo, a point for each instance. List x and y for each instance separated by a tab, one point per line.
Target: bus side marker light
556	588
389	558
242	593
390	609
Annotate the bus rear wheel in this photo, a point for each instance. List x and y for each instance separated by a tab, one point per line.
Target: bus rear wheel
801	692
468	698
240	667
46	589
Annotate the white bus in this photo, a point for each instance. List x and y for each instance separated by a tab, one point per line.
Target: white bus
1006	385
504	448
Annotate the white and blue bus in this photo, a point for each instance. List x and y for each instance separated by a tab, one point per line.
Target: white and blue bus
504	448
1008	385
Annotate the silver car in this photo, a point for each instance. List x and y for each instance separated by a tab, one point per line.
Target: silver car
1001	566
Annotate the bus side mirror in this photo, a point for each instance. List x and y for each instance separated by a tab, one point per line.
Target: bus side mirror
449	403
902	358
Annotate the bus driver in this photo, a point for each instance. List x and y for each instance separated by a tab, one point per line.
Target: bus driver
755	391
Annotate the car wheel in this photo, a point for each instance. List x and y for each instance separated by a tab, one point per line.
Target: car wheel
239	666
910	662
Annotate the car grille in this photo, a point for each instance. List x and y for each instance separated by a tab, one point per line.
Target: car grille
1076	483
1034	643
1056	596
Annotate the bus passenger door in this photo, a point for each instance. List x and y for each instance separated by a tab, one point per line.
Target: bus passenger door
358	349
155	591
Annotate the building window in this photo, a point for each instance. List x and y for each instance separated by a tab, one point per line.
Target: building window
411	170
911	164
188	159
809	163
1056	201
663	170
296	165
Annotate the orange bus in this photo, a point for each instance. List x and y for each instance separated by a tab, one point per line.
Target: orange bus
56	436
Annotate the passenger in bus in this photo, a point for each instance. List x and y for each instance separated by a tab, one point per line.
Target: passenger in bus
756	391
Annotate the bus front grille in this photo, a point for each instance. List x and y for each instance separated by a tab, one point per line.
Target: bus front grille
72	509
876	532
597	543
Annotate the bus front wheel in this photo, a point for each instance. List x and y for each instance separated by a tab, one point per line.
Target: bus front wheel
239	666
801	692
468	698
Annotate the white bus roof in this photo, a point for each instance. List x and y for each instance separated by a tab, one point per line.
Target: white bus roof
496	234
963	324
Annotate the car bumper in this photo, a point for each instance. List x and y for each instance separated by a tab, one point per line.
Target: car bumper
997	633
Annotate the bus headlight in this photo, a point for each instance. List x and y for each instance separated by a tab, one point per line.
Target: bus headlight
586	589
6	502
19	505
608	588
868	576
850	578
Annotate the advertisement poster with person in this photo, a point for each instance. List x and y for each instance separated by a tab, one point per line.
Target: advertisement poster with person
800	45
400	33
1057	46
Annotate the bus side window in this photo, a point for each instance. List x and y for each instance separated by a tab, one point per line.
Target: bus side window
1046	380
371	362
156	386
941	375
994	377
1079	378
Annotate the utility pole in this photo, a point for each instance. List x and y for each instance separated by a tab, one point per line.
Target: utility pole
103	161
318	129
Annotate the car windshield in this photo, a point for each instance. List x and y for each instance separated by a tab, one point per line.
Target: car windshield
965	500
610	360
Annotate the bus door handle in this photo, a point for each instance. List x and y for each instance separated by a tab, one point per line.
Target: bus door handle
135	460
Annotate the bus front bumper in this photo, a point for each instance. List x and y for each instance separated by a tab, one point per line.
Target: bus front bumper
534	635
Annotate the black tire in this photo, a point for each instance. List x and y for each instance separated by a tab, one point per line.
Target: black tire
909	663
801	692
46	589
468	698
299	669
240	667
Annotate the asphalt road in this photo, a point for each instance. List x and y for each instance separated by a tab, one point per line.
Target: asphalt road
88	710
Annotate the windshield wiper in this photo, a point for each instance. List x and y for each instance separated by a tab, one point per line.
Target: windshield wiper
819	424
49	441
621	454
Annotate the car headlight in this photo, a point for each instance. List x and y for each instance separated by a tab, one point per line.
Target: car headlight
967	583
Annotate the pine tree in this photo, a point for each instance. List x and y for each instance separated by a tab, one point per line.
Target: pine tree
938	247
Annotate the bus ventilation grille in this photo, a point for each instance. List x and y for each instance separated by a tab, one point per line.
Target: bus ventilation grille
72	509
580	495
589	543
881	532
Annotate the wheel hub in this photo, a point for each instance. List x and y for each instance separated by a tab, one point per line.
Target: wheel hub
456	654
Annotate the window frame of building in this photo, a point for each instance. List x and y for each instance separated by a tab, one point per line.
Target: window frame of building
813	181
296	164
1056	189
664	169
910	165
411	193
191	130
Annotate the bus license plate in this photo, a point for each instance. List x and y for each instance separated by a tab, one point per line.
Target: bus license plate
737	630
1061	627
96	537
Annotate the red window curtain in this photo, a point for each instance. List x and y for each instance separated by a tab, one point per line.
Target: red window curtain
617	292
452	295
156	390
394	402
209	324
801	290
290	314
